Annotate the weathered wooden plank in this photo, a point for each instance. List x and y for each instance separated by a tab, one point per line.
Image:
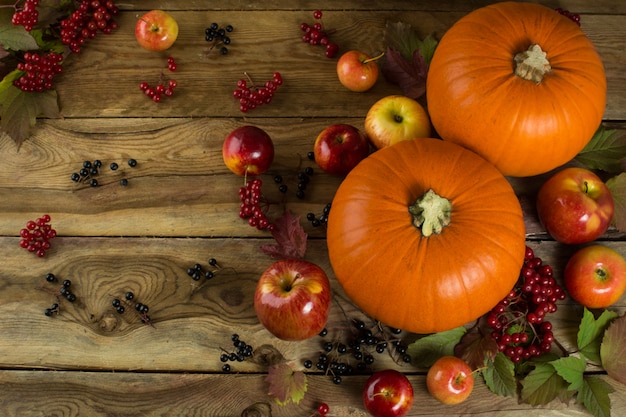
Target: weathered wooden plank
206	81
64	394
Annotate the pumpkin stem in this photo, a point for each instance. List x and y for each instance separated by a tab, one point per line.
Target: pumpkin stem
532	64
431	213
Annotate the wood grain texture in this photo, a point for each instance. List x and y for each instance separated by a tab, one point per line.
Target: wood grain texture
180	208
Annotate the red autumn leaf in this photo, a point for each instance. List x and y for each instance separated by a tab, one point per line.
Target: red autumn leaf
410	76
286	384
290	237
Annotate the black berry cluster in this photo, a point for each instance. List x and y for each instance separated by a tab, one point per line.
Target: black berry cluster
319	220
218	37
241	351
303	178
121	304
197	272
339	358
164	87
91	170
64	292
315	34
36	236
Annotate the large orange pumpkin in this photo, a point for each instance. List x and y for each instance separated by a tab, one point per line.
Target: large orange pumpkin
425	235
519	84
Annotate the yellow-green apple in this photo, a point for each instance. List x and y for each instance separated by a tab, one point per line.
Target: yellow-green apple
339	148
248	150
575	206
395	118
292	299
156	30
388	393
595	276
450	380
357	71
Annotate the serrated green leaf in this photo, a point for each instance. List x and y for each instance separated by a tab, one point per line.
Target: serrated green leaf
606	151
591	331
594	395
617	186
613	350
286	384
542	385
499	376
572	369
14	37
403	38
426	350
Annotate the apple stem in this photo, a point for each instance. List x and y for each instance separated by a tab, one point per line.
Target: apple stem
431	213
532	64
374	58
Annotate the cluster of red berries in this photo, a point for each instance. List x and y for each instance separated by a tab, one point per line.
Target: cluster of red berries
518	321
162	88
40	69
575	17
27	16
250	208
315	34
84	23
36	236
251	96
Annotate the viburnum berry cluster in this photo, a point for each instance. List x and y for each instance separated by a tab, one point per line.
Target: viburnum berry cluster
315	34
162	88
37	234
518	321
251	96
251	199
91	17
39	68
575	17
27	15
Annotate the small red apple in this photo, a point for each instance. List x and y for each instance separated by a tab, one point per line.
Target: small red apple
248	150
292	299
575	206
595	276
357	71
339	148
156	30
450	380
388	393
396	118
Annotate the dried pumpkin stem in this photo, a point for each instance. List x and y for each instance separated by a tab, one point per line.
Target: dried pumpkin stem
431	213
532	64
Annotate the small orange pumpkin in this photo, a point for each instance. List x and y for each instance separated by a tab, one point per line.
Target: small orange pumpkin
519	84
425	235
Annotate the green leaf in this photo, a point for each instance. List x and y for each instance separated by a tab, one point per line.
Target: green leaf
617	186
12	36
594	395
285	384
613	350
591	331
426	350
606	151
499	376
572	369
542	385
404	39
19	111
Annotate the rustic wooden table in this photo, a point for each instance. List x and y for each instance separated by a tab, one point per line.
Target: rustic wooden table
180	208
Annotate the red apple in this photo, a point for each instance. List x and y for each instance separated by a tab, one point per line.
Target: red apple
595	276
248	150
575	206
388	393
156	30
357	71
396	118
339	148
450	380
292	299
